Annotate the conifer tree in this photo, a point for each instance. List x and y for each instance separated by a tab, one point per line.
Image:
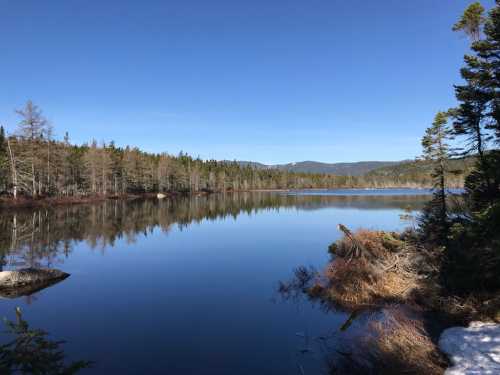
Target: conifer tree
472	257
434	221
477	116
471	21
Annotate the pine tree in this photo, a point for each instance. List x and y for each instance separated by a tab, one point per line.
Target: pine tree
472	257
471	21
477	116
434	221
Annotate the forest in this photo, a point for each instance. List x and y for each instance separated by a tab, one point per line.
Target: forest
33	163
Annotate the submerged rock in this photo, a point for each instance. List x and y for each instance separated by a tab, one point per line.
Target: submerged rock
28	281
472	350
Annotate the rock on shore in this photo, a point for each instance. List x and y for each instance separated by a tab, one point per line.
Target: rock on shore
29	276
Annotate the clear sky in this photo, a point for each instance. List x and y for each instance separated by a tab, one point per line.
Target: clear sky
266	80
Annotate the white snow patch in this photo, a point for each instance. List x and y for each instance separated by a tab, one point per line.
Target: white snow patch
472	350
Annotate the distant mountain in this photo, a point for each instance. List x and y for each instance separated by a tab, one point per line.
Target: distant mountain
340	169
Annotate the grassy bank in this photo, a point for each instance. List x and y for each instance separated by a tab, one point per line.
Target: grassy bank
391	281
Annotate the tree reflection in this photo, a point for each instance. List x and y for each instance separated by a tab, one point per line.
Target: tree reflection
44	237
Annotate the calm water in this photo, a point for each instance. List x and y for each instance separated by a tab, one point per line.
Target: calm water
187	286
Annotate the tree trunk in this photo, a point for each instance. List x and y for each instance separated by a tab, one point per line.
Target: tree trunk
13	169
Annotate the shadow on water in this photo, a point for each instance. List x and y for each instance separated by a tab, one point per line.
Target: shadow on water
32	351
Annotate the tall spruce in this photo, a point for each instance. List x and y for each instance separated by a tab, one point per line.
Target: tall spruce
471	21
477	116
472	258
434	221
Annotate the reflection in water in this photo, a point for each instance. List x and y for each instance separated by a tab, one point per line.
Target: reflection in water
207	297
28	281
44	237
30	351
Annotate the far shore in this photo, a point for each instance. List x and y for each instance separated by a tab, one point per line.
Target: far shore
7	201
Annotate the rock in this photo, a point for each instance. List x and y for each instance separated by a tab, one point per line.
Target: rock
472	350
29	276
160	196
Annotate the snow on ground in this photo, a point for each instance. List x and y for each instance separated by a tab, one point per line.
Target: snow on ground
472	350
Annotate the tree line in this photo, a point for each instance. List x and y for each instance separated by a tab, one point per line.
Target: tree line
35	164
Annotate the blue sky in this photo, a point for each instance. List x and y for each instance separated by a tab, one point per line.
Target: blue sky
269	81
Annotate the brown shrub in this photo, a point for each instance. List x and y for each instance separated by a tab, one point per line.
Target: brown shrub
378	243
462	310
388	276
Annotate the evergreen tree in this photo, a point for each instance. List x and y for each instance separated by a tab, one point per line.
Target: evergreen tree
473	255
434	221
31	351
477	117
471	21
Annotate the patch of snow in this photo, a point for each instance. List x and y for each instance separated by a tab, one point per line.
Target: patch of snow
472	350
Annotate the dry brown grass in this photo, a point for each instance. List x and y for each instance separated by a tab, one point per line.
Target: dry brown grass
462	310
391	274
388	273
395	342
400	339
386	276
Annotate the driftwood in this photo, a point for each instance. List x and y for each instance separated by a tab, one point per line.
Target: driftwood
28	281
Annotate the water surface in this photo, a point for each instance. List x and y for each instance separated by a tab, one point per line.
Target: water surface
187	286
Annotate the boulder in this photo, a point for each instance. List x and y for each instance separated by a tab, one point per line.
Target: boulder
28	280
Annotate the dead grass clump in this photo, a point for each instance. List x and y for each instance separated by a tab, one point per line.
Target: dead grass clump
462	310
377	243
395	342
403	341
383	273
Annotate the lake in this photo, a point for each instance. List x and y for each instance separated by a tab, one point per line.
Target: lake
189	285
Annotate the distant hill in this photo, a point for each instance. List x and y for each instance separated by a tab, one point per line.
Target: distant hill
421	167
340	169
419	173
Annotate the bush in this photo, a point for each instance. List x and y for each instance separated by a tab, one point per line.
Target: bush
388	274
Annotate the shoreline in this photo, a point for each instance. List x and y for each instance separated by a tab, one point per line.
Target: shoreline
28	202
394	274
8	202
